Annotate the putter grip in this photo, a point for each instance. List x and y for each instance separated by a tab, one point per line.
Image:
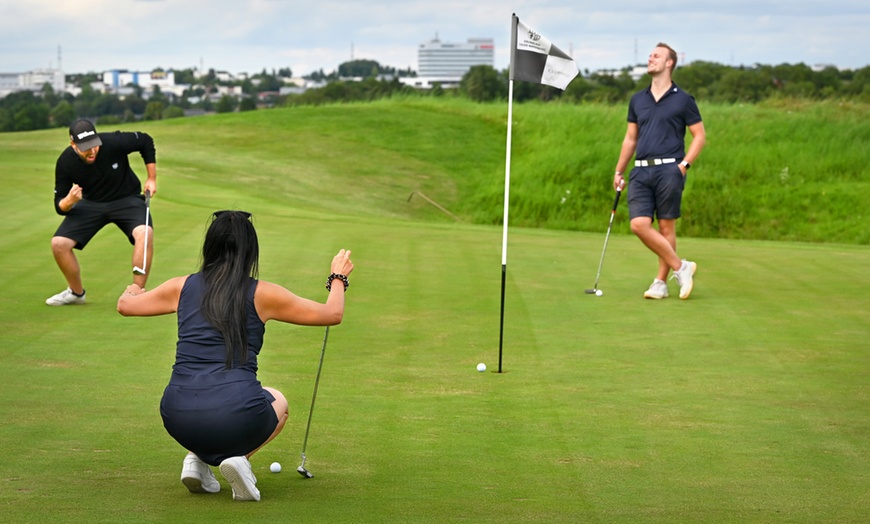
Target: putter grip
616	200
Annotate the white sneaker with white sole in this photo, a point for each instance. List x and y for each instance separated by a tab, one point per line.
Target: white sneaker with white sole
685	278
65	297
238	472
657	290
198	476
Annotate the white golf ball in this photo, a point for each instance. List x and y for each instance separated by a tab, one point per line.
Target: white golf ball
481	367
275	467
599	293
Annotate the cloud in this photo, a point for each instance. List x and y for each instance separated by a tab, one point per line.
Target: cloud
251	35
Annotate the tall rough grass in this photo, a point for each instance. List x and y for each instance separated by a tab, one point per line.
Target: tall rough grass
780	170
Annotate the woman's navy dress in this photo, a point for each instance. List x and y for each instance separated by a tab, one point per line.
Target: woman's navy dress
212	411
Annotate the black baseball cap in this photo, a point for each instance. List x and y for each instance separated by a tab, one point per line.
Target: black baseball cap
84	135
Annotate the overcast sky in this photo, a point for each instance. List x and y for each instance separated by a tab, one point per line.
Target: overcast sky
306	36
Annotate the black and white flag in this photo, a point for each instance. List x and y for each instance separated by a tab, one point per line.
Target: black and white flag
536	59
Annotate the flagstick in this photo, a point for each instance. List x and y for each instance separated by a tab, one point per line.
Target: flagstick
507	187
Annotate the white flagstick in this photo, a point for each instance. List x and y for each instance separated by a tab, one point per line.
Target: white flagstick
507	186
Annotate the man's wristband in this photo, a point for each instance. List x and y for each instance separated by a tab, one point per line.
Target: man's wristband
334	276
685	164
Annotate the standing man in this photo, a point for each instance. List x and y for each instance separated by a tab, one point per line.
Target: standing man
95	186
657	120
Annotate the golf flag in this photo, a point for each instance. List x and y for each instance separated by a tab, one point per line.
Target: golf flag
533	59
536	59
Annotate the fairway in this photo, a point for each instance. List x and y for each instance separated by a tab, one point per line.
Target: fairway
748	402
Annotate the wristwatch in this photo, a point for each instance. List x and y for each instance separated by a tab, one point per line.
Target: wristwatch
685	164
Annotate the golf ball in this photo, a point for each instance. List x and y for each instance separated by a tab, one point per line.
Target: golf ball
481	367
599	293
275	467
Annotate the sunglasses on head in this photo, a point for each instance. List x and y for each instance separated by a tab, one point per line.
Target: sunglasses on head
245	214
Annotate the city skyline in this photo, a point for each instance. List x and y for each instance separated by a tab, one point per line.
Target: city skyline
250	36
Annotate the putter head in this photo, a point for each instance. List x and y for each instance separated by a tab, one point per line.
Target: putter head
304	472
591	291
138	270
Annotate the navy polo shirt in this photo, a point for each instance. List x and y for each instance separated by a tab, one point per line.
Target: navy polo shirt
661	126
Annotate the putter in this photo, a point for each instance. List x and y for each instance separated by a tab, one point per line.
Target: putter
142	270
301	469
609	227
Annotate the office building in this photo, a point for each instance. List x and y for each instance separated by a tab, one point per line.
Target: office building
446	63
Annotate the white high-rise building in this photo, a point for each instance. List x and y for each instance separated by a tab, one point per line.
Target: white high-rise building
32	81
446	63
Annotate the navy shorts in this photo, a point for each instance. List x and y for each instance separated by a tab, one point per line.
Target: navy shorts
86	218
656	191
218	419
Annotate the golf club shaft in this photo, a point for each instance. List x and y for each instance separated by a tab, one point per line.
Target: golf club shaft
606	238
144	269
314	396
147	217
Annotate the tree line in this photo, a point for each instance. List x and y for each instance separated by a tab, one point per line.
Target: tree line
707	81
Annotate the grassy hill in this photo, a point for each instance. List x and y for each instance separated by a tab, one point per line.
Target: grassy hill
778	171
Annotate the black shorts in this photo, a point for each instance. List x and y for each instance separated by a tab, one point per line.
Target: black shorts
656	191
218	419
86	218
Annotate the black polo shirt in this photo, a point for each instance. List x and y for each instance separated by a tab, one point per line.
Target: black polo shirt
661	126
110	177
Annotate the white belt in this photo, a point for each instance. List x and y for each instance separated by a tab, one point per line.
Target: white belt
654	162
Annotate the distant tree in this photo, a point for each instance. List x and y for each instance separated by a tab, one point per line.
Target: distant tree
285	72
226	104
153	111
172	112
577	90
482	83
742	85
698	77
247	104
31	117
26	112
318	76
184	76
107	104
158	96
134	104
859	84
47	93
359	69
62	115
6	122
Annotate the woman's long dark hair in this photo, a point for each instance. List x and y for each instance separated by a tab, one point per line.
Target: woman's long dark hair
230	255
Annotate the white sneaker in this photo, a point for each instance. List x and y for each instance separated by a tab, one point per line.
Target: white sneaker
198	476
657	290
65	297
238	472
684	278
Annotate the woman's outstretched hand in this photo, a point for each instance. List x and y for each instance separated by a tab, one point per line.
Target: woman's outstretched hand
341	263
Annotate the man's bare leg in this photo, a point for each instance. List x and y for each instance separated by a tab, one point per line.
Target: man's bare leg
62	249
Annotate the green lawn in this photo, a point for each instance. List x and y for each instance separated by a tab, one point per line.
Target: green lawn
747	403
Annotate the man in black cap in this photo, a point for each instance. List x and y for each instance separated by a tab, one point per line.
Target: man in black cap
95	186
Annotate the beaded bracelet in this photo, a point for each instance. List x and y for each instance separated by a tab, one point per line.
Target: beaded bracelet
334	276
